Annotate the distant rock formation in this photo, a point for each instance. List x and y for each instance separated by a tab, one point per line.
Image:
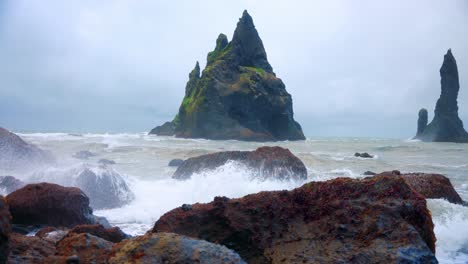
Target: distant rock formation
446	125
17	154
237	96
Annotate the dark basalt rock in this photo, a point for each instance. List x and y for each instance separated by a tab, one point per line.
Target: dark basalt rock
373	220
430	185
9	184
364	155
175	162
17	154
238	96
5	230
49	204
106	190
171	248
266	162
446	125
369	173
422	121
167	129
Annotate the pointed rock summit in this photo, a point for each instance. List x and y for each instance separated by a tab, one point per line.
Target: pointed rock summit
237	96
446	125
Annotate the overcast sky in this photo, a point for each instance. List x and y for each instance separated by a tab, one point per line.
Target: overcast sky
353	68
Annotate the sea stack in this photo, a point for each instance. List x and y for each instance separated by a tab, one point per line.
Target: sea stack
446	125
237	96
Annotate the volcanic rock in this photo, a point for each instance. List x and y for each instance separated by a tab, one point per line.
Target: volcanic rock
29	249
175	162
372	220
113	234
49	204
266	162
87	248
16	154
430	185
9	184
105	190
171	248
237	96
422	122
5	229
363	155
446	125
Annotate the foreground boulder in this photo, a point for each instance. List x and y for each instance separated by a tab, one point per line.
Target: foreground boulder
171	248
430	185
105	190
9	184
5	230
81	248
50	204
29	249
266	162
17	154
373	220
446	125
237	96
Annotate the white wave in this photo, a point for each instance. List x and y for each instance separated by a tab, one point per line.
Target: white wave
451	230
154	198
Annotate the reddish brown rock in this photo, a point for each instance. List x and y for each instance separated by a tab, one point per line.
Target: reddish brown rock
5	229
49	204
52	234
29	249
430	185
113	234
171	248
373	220
84	247
267	162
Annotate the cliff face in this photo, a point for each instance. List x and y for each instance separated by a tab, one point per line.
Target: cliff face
237	96
446	125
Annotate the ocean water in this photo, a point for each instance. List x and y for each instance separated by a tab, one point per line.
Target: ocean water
143	160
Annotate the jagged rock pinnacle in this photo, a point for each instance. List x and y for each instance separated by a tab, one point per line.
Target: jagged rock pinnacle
194	76
422	121
446	125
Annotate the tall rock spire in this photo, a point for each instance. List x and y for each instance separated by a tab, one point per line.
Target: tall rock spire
248	45
422	122
194	76
446	125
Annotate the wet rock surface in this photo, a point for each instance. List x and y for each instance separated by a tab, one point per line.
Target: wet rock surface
175	162
49	204
267	162
5	229
113	234
17	154
9	184
363	155
379	219
116	194
171	248
430	185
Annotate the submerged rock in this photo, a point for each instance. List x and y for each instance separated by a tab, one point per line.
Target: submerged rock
266	162
5	230
175	162
106	189
17	154
9	184
49	204
446	125
430	185
171	248
363	155
373	220
237	96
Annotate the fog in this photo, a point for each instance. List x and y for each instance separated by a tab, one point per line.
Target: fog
353	68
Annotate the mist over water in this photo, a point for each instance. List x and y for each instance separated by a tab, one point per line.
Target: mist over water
142	161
